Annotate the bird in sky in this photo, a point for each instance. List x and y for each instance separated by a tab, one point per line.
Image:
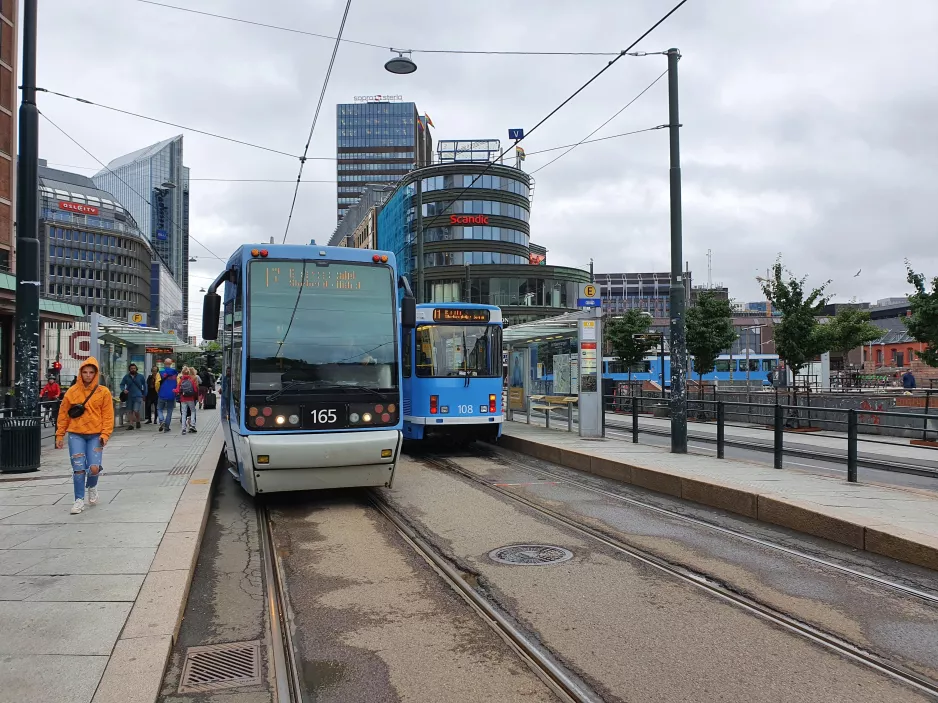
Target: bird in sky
857	273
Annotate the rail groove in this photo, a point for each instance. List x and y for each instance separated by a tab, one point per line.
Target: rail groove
716	589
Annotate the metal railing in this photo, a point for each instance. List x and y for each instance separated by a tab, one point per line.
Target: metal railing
783	417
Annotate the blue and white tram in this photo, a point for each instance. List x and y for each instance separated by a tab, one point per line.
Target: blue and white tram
726	367
452	369
311	394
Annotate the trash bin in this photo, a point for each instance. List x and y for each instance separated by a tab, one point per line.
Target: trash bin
20	444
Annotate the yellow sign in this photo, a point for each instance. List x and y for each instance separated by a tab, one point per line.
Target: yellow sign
589	323
137	318
590	291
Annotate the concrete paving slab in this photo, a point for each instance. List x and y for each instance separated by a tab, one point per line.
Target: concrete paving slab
61	628
135	670
113	513
107	534
104	497
84	560
13	561
87	587
48	678
188	517
13	536
14	498
157	609
141	495
22	587
9	510
178	550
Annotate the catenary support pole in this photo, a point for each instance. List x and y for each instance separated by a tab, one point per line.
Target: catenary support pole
677	292
27	228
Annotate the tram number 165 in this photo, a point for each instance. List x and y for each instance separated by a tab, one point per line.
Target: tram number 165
324	417
465	410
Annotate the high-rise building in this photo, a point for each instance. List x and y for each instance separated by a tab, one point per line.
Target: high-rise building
92	252
153	184
9	36
377	142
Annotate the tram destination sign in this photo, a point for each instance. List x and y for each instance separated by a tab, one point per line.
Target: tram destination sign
460	315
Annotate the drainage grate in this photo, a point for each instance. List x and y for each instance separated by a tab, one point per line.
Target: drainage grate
219	666
530	554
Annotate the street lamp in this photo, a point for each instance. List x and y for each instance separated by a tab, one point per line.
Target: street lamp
400	64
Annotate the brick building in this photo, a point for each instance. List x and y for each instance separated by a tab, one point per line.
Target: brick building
8	109
895	353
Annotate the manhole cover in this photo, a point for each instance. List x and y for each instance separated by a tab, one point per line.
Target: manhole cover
219	666
530	554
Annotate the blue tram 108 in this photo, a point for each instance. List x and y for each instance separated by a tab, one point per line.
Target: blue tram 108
452	373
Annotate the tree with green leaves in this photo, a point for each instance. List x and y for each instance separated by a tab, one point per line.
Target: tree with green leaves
709	331
798	335
848	329
625	336
923	322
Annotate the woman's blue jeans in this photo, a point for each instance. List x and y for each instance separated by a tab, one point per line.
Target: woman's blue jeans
86	453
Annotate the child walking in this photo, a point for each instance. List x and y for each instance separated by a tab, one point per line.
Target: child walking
87	415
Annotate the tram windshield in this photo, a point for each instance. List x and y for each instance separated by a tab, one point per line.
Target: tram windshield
328	324
459	350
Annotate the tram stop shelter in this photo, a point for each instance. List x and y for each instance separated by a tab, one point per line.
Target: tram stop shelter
543	358
118	344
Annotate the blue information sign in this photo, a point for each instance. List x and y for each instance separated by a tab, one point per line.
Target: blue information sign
516	134
589	302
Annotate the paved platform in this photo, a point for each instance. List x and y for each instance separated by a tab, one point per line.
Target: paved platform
90	604
896	522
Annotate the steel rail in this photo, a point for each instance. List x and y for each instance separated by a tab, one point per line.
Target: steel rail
906	590
558	680
716	589
287	683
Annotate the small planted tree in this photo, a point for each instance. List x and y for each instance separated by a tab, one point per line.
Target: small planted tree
625	337
709	331
848	329
923	322
798	335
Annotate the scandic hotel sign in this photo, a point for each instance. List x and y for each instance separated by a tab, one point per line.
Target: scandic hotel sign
78	207
468	219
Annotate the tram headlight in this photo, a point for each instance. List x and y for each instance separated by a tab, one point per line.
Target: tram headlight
366	417
294	419
280	419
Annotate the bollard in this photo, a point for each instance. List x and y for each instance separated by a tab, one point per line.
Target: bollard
528	409
779	435
721	428
925	427
634	419
569	416
547	416
852	431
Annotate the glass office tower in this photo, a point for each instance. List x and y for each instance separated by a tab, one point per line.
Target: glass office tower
153	184
377	142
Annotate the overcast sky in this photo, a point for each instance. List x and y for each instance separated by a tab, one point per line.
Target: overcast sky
809	125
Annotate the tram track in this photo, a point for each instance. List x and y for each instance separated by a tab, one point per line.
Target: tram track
927	596
286	677
715	588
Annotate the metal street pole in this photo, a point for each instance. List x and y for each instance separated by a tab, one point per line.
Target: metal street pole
27	229
468	285
419	287
661	337
677	291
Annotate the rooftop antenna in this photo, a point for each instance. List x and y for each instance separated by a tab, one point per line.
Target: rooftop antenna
709	269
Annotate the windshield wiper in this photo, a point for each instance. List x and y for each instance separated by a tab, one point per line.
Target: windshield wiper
289	386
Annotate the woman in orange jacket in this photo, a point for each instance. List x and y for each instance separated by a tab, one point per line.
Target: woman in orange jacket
87	414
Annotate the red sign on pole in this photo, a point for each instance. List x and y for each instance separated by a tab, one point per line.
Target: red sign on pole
78	207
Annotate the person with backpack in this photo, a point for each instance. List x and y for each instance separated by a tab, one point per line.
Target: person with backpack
153	391
87	415
187	390
133	390
167	395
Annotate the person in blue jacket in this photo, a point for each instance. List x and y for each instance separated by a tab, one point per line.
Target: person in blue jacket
135	387
167	401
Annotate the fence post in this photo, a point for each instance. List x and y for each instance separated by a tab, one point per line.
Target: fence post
852	430
925	421
779	434
570	416
528	409
547	416
634	419
721	428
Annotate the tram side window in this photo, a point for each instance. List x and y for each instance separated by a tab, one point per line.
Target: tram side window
722	365
405	354
237	340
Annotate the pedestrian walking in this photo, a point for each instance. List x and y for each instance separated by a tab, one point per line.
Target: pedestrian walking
153	388
87	415
187	389
133	391
205	385
50	394
167	395
908	379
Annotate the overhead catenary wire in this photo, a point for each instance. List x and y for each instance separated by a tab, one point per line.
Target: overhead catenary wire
579	90
312	127
293	30
166	122
76	143
619	112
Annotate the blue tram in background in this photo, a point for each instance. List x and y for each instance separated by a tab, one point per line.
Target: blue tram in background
760	365
452	373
